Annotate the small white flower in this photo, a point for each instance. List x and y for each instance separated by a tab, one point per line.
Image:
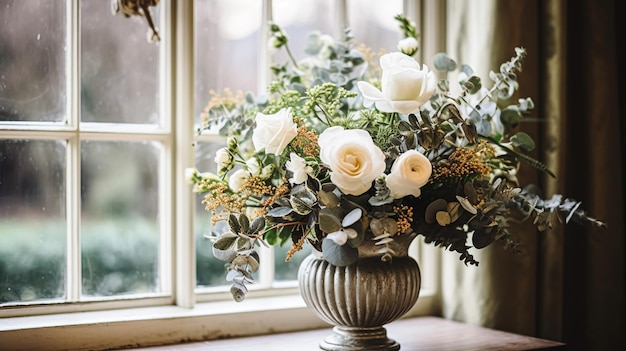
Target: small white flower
298	166
273	44
224	160
408	46
237	180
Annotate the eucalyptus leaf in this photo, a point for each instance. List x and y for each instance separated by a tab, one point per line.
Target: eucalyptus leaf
523	141
467	205
476	84
253	263
279	212
243	244
257	225
328	199
467	70
443	85
225	242
329	222
352	217
405	126
482	239
224	255
244	222
233	224
230	276
443	218
444	63
313	184
300	205
238	291
250	98
510	117
339	255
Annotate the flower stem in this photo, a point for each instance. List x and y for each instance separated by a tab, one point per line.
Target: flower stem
293	59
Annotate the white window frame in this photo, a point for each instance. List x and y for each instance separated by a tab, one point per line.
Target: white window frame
181	313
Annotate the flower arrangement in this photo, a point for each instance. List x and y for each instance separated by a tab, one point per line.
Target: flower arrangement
345	153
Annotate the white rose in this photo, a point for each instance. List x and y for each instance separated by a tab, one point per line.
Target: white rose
352	157
223	159
297	165
405	86
274	132
237	180
410	171
408	46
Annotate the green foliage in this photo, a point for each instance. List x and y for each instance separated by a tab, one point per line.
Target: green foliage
416	159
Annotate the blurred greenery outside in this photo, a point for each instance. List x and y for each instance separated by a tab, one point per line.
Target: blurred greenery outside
118	257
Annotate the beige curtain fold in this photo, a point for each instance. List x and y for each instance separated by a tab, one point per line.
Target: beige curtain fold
569	284
500	292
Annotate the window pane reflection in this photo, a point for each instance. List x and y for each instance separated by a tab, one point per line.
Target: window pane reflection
32	220
372	23
227	34
119	67
300	18
32	60
120	233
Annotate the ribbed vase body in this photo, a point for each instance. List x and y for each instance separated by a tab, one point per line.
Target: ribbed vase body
360	299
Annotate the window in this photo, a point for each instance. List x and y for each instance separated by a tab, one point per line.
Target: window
94	212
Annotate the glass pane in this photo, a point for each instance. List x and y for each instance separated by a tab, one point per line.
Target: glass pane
32	60
32	220
209	270
119	219
119	67
299	19
285	271
372	23
227	34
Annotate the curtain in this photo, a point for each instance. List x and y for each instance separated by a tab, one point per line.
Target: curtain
568	284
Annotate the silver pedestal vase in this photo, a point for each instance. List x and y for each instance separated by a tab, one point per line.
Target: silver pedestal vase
359	299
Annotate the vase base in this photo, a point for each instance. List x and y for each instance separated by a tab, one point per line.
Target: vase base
359	339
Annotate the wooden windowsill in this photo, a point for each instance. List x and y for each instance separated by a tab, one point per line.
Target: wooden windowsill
422	333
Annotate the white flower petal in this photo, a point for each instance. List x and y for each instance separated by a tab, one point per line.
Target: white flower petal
405	107
369	91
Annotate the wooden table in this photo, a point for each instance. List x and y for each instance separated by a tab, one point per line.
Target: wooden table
422	333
